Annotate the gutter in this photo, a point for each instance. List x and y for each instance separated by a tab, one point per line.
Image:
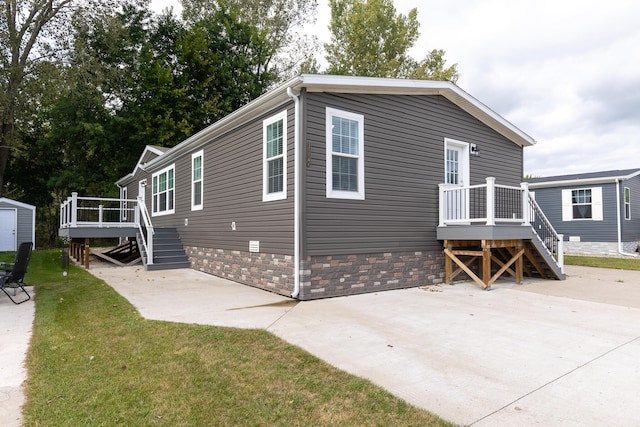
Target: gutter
296	193
619	223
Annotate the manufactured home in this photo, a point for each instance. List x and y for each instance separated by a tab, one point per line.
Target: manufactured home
597	212
333	185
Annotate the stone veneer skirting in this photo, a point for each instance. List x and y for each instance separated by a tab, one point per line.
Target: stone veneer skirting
272	272
322	276
334	275
598	248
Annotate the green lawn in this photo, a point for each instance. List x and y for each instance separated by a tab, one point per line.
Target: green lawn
94	361
602	262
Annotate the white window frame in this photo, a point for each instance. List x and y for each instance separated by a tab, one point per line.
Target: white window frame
279	195
154	199
596	204
194	181
342	194
627	203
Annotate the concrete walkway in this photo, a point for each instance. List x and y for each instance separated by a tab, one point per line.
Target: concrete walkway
542	353
15	334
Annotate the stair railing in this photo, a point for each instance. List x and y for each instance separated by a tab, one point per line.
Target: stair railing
146	229
544	230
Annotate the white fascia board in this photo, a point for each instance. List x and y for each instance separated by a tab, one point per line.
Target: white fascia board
17	203
345	84
574	182
139	165
256	107
350	84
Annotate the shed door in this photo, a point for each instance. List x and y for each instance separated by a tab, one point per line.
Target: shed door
456	175
8	229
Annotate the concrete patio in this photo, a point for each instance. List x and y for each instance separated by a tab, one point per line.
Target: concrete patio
562	353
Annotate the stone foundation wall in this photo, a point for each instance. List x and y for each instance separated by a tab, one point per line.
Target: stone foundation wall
272	272
335	275
598	248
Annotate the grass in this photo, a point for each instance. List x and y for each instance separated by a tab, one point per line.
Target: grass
602	262
94	360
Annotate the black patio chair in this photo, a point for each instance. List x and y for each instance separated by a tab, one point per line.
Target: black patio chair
12	274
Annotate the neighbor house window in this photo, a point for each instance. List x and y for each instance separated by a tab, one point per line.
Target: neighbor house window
163	191
196	181
582	204
274	165
627	203
345	155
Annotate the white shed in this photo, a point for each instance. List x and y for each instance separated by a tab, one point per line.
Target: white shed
17	224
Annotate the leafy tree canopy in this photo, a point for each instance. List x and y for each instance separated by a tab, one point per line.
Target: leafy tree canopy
368	38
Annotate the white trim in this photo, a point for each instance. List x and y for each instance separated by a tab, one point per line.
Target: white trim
464	146
582	181
148	149
153	198
17	203
297	167
624	199
596	204
342	194
195	207
15	228
280	195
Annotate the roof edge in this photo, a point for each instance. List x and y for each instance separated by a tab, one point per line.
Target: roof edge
346	84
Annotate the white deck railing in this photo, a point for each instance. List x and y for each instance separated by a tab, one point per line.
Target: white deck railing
493	204
99	212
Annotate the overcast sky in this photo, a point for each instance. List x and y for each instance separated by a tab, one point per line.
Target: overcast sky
566	72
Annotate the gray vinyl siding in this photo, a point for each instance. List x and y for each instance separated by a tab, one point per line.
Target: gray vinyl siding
550	200
232	192
631	228
404	163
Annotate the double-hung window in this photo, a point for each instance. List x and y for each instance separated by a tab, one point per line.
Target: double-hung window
163	191
581	202
196	181
345	154
274	158
627	203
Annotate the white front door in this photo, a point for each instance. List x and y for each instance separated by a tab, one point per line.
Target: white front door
456	176
8	229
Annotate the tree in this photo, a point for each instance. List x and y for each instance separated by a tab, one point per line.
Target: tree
276	20
368	38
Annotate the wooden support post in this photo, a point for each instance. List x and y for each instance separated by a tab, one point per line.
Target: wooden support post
448	266
86	253
520	264
486	266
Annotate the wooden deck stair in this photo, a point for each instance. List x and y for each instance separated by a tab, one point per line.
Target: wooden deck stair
168	252
516	257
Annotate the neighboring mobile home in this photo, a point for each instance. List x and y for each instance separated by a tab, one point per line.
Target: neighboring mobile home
17	224
598	212
329	185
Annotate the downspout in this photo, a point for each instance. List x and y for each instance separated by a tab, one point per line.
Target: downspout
619	223
296	194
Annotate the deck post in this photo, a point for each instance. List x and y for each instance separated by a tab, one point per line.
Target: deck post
100	215
74	209
561	252
441	188
526	211
87	251
491	191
